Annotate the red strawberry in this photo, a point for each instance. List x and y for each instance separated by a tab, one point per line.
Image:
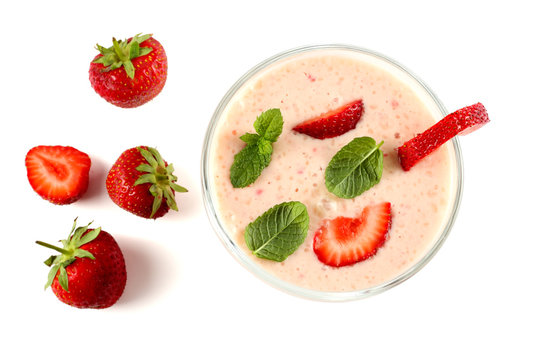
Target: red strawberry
90	272
141	182
58	174
333	123
460	122
131	72
345	241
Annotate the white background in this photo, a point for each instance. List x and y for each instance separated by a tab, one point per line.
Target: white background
186	297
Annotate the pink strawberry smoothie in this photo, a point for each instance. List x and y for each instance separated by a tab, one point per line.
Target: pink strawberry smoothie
309	84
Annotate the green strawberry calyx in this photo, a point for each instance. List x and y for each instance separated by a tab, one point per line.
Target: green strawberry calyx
69	253
161	178
121	54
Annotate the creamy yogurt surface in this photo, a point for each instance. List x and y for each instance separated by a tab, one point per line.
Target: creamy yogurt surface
309	84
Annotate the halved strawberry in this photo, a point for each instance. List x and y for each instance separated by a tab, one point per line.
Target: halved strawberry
460	122
333	123
345	241
58	174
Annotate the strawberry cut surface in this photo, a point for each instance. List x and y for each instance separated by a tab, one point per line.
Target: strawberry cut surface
58	174
333	123
460	122
345	241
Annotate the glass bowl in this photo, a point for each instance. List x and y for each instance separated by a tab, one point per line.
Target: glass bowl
435	106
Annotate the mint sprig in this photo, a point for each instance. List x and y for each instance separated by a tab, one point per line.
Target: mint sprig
278	232
249	163
355	168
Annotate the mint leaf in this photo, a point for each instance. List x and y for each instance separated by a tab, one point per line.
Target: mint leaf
248	165
355	168
251	160
250	138
265	146
269	124
278	232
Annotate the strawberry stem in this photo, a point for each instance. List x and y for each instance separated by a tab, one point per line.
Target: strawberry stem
60	250
161	176
119	51
121	54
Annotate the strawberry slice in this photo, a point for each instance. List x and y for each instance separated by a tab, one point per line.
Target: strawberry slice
345	241
460	122
333	123
58	174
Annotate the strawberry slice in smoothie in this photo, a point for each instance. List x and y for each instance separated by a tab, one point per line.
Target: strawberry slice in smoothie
345	241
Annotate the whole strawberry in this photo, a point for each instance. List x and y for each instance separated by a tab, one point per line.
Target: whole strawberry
90	272
141	182
131	72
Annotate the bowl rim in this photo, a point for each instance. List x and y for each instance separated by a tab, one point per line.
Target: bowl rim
244	258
